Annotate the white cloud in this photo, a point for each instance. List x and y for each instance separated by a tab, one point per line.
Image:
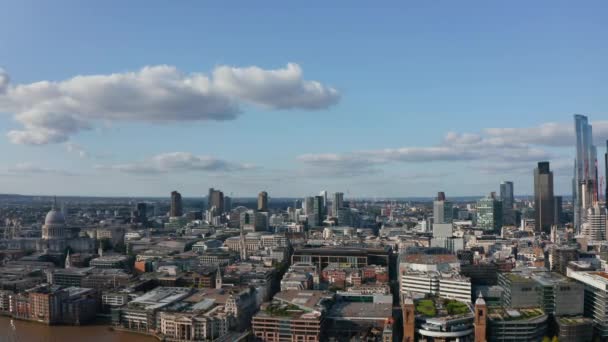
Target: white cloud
455	147
51	112
31	168
178	162
548	134
277	89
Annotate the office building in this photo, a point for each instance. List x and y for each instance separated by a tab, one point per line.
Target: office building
442	210
585	182
337	204
176	205
544	202
596	298
227	203
507	199
594	227
215	201
315	215
263	201
436	275
525	324
558	209
560	257
293	316
574	329
323	195
489	214
606	175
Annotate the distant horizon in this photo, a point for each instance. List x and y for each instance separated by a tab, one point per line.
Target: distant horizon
270	197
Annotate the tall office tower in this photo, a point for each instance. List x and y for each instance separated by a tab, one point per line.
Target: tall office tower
141	212
323	194
308	205
506	196
557	209
441	196
594	228
489	214
584	184
544	202
606	175
227	203
315	219
442	209
176	204
215	199
337	204
263	201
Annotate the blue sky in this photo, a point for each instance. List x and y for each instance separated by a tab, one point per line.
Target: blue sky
405	75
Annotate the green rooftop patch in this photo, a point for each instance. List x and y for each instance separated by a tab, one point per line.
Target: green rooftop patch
426	307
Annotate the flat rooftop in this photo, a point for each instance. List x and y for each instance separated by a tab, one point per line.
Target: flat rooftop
361	311
160	297
309	299
430	259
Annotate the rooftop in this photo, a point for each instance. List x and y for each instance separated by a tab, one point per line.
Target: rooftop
508	314
430	259
355	310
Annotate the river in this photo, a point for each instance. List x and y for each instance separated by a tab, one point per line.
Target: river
21	331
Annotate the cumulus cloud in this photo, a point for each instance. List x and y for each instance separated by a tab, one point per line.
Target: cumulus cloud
178	162
277	89
51	112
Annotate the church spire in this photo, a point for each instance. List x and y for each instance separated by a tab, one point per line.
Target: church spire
218	278
68	263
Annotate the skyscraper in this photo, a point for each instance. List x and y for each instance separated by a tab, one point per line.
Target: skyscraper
544	201
176	204
606	174
337	204
323	195
506	196
263	201
215	199
315	219
584	184
442	209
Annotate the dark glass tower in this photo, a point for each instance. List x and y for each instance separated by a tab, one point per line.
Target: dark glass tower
544	201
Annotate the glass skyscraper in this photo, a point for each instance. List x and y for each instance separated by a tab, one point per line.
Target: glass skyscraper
544	201
506	196
585	182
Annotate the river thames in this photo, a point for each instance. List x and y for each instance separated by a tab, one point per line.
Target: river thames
21	331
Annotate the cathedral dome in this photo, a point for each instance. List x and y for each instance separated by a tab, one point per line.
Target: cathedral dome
54	217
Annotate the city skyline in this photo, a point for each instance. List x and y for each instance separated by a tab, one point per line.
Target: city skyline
247	107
